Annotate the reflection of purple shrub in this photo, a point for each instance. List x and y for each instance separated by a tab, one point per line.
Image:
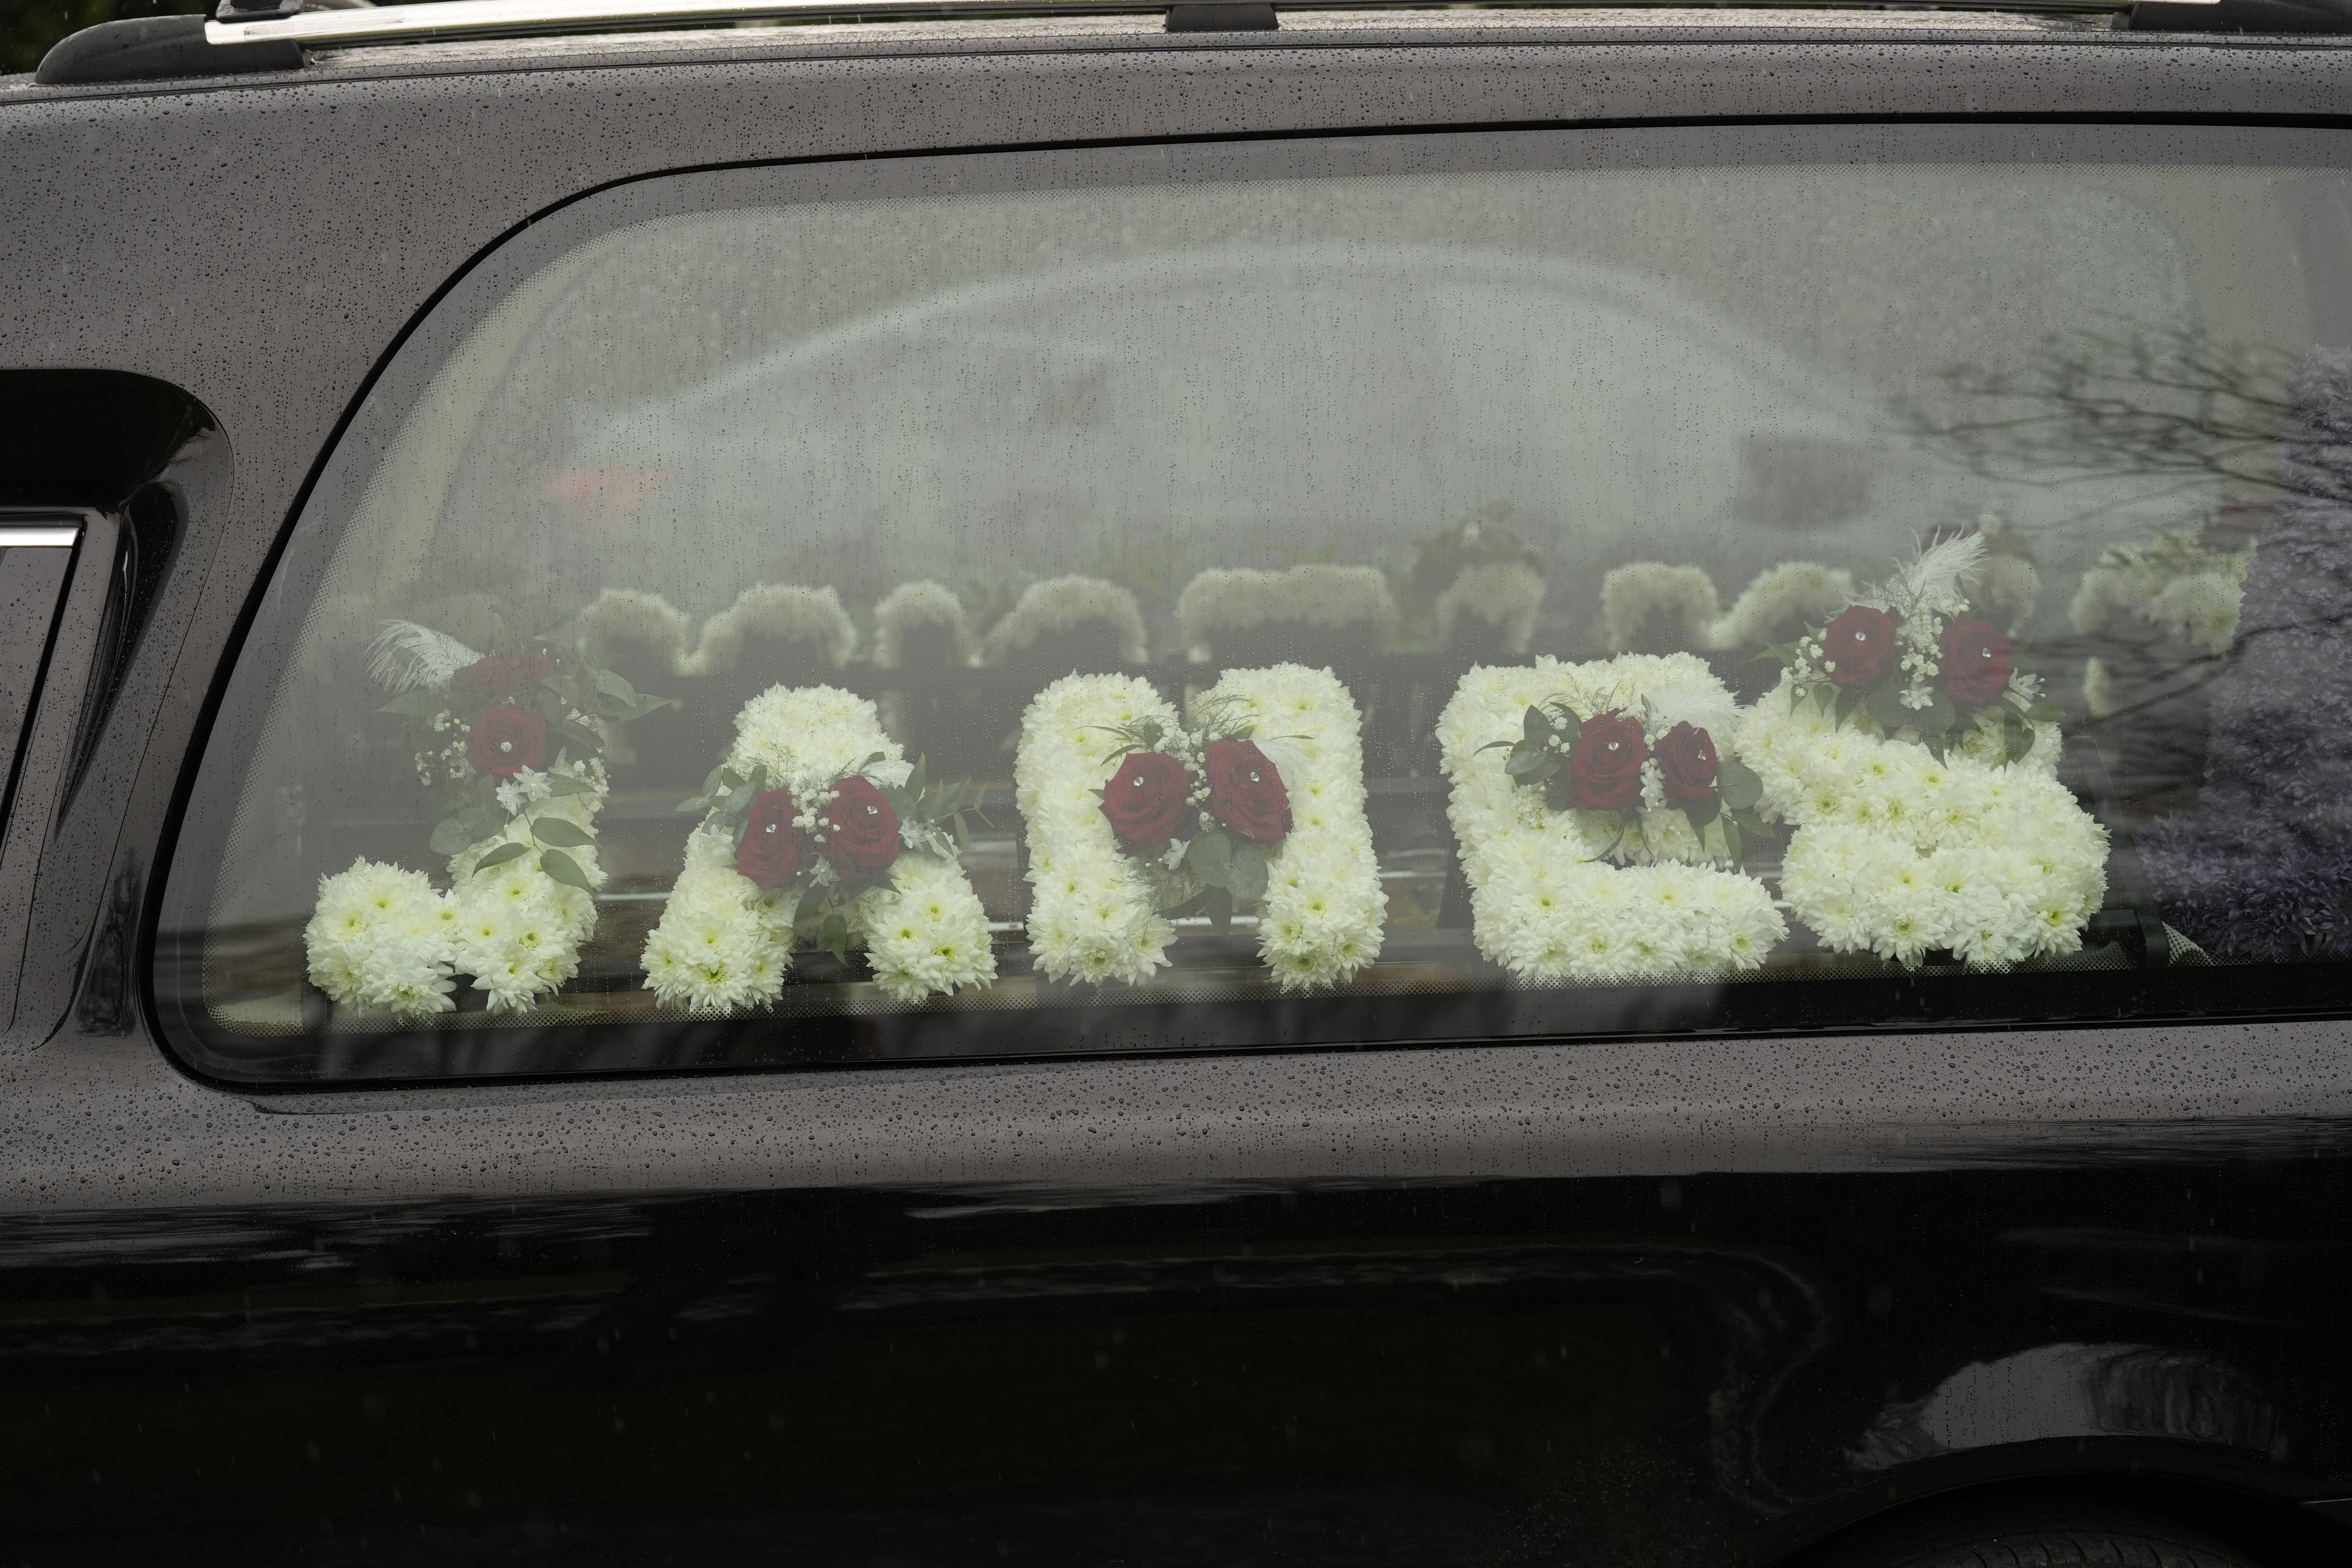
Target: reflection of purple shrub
2263	870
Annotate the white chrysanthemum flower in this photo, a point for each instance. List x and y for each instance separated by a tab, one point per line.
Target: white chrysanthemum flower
1793	592
1631	593
631	617
2174	585
724	945
1543	904
786	611
379	938
1063	603
1092	914
1324	912
1506	595
1898	853
1225	600
912	605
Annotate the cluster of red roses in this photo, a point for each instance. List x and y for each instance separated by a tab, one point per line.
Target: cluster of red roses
858	834
1858	651
1147	800
1597	764
1604	766
506	739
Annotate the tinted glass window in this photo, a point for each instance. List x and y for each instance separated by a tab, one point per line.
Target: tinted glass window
1396	588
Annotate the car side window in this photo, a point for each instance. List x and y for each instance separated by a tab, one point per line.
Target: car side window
1387	588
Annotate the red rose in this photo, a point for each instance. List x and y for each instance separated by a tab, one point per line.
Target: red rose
773	852
503	672
506	741
1245	793
861	831
1605	771
1145	800
1977	662
1859	646
1687	762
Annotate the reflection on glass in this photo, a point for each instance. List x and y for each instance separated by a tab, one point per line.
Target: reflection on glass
1233	598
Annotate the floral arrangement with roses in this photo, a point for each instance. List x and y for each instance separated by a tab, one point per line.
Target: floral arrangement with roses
815	829
1912	659
1137	817
1911	838
1606	767
1594	846
512	744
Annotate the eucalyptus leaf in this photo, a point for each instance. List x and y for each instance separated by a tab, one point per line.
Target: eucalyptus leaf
564	870
693	803
2045	712
1210	856
1754	824
421	703
1782	652
813	899
1218	905
586	740
500	856
837	936
613	683
1938	717
1736	784
2018	736
1731	845
1702	811
1885	706
449	837
727	777
562	785
559	832
1245	876
1524	763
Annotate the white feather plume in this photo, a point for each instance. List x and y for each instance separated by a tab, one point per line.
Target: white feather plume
404	656
1933	577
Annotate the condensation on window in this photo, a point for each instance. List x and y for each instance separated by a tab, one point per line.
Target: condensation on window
1414	588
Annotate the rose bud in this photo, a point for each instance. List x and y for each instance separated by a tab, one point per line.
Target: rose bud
1605	771
1859	646
861	831
1145	800
1245	794
503	672
773	852
1687	764
506	741
1977	662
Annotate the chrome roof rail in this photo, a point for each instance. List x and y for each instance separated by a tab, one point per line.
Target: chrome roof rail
271	21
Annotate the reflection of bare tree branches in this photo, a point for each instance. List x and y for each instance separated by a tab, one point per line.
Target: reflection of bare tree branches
2090	407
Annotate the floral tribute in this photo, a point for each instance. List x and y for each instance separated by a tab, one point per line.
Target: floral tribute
2176	586
1137	816
815	829
1913	661
1911	753
1596	809
512	744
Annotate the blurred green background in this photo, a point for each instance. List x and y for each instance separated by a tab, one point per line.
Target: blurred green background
28	28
